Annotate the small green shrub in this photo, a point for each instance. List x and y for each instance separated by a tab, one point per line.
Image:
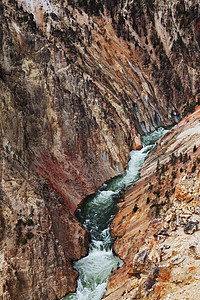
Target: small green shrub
157	210
194	148
29	222
157	193
173	159
181	157
174	173
163	169
150	186
178	85
24	241
194	168
19	222
29	235
167	194
158	165
135	208
7	150
185	158
19	234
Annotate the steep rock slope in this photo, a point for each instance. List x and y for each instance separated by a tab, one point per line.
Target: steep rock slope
80	81
157	225
39	237
80	92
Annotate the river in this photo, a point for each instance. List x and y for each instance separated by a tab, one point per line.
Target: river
95	214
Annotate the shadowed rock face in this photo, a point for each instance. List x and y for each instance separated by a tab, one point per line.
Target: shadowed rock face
80	82
39	237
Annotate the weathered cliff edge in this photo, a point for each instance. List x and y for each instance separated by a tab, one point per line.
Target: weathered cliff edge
157	225
79	83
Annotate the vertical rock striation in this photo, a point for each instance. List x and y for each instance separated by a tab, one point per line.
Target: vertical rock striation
80	93
39	237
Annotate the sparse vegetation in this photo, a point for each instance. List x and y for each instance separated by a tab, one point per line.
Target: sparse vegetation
163	169
19	231
157	192
190	108
167	194
177	84
194	148
24	241
29	235
29	222
198	100
135	208
150	186
174	174
194	168
181	157
158	166
173	159
185	158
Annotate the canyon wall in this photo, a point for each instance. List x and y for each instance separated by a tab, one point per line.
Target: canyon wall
80	82
157	225
39	237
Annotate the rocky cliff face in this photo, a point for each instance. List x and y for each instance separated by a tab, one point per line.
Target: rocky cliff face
39	237
156	227
76	92
80	81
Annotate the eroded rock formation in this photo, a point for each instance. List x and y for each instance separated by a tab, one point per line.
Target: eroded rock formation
80	81
157	225
39	237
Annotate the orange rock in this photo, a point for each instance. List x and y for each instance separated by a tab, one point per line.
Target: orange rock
193	268
164	274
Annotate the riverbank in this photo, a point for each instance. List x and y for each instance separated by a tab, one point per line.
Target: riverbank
156	227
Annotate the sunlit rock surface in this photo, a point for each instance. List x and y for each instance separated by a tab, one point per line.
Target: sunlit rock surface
157	225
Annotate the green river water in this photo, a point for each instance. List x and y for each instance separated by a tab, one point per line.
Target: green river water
95	214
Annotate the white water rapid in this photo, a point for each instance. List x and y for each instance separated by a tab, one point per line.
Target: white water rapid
95	215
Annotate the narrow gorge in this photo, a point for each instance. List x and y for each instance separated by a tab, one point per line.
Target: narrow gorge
81	82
